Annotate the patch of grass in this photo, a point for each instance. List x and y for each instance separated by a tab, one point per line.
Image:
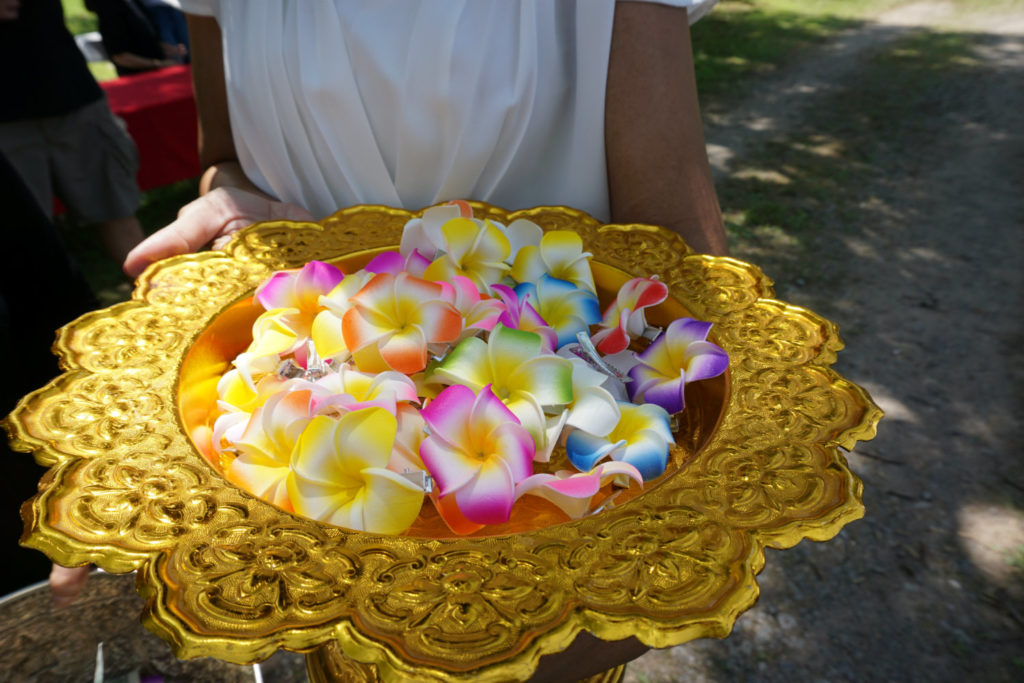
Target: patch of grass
77	18
103	71
743	38
740	39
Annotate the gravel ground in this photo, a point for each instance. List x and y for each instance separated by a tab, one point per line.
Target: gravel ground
924	279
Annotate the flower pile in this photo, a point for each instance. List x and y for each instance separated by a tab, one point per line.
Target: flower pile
447	370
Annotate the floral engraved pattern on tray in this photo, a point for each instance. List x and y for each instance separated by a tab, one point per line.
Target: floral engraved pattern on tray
231	576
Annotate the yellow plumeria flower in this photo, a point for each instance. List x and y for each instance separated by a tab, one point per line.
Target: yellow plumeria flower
560	255
341	476
473	249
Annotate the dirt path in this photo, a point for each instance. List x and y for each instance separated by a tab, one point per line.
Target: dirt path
918	260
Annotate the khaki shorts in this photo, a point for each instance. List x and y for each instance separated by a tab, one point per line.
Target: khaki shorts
86	158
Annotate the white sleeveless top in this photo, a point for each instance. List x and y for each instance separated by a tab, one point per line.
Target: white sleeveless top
412	102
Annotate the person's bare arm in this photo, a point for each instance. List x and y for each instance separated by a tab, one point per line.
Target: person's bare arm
228	200
658	173
658	169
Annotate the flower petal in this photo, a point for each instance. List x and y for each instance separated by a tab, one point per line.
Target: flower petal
390	502
405	351
705	360
446	414
450	467
585	450
488	497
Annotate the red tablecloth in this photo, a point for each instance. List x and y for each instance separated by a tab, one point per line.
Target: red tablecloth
160	111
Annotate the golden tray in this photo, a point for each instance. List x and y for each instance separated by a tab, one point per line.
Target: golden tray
228	575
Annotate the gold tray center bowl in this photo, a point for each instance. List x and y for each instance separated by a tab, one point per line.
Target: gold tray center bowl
229	334
756	463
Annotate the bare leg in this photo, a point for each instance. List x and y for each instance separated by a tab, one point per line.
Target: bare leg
66	583
120	236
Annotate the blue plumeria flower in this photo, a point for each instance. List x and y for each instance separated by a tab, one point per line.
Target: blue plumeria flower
641	438
568	309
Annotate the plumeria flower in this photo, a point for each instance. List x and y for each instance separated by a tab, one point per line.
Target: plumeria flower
559	255
473	249
680	356
520	315
572	491
476	451
341	476
299	289
568	309
393	262
640	438
479	314
405	456
393	319
292	300
346	389
326	331
235	395
594	408
512	364
263	465
522	233
625	319
424	234
237	402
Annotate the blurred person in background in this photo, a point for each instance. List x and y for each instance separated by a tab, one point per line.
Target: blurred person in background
57	130
41	289
131	39
171	28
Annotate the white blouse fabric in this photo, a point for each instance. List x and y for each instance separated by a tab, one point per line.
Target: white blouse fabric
413	102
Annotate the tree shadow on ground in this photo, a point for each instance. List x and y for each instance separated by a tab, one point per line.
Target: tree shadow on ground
895	209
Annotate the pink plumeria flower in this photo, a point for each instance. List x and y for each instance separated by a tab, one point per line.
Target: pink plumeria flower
573	491
520	315
679	356
476	451
624	318
292	300
393	319
513	364
479	314
300	289
559	255
340	474
393	262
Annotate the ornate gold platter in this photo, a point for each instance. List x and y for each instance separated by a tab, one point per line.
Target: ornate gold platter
228	575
